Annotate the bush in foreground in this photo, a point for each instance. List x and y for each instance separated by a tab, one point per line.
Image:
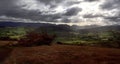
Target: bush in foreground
36	39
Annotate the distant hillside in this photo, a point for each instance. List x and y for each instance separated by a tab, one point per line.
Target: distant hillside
21	24
100	29
39	26
61	28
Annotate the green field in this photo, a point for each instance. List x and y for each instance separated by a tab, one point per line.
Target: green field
108	38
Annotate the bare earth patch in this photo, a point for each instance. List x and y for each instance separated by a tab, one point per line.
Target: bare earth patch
63	54
6	43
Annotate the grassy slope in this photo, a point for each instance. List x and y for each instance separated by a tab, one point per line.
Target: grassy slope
63	54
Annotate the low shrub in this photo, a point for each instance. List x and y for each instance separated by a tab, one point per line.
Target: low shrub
7	39
36	39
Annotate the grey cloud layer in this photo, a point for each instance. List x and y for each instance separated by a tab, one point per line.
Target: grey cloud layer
73	11
6	6
91	0
112	5
9	8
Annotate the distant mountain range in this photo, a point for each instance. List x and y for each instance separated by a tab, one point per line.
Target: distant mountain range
20	24
66	28
100	29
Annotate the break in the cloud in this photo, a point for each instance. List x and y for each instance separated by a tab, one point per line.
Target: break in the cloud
71	12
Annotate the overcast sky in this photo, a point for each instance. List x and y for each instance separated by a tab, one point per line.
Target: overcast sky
71	12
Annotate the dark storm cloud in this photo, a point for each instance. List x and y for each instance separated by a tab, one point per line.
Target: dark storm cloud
111	4
6	6
69	3
50	1
113	18
54	3
49	18
92	16
7	3
33	15
10	9
64	11
73	11
91	0
18	13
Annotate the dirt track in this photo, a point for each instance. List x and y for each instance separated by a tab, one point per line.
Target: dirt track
63	54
